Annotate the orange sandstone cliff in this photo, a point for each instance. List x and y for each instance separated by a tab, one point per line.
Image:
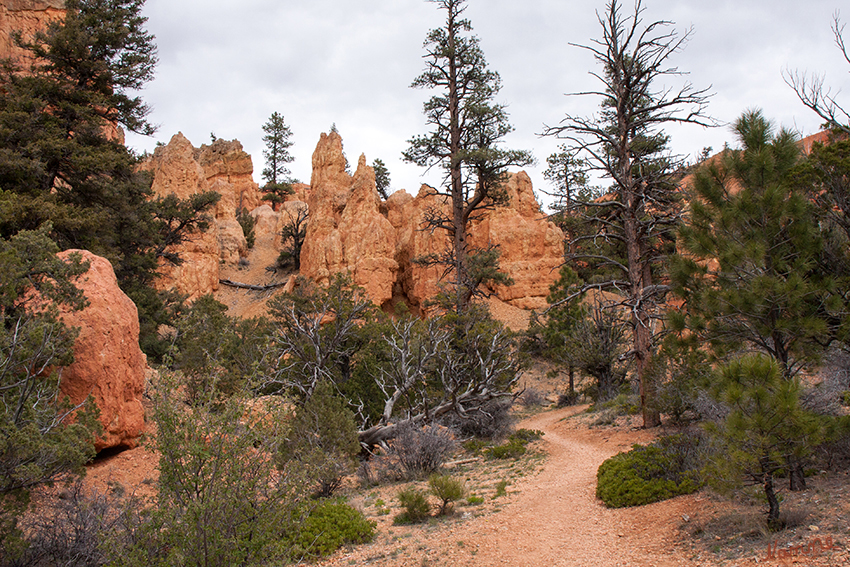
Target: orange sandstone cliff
183	170
26	17
350	229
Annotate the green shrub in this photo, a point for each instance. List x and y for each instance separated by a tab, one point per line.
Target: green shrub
475	446
526	435
623	404
515	447
216	503
329	526
448	489
416	507
324	438
474	500
651	473
501	489
247	222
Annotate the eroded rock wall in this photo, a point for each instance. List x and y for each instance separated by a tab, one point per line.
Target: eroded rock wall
349	228
346	231
183	170
26	17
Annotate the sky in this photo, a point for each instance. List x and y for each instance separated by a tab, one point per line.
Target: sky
226	65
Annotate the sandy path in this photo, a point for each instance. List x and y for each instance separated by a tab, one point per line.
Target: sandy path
557	521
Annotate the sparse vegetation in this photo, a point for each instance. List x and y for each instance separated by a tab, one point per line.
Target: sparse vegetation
246	222
292	237
448	490
416	507
421	451
515	446
474	500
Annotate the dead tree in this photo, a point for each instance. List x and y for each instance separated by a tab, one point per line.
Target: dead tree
814	94
624	143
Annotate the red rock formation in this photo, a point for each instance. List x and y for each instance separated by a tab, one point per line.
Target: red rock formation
346	231
184	170
108	363
27	17
532	247
349	229
417	283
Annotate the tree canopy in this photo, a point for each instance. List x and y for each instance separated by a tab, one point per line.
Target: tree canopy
750	275
61	156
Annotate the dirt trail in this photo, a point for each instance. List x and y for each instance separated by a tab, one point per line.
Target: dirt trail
557	521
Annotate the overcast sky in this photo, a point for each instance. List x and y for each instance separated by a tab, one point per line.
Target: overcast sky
226	65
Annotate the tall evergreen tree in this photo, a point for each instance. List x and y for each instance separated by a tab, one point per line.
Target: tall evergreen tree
468	130
569	180
61	159
276	174
624	143
824	175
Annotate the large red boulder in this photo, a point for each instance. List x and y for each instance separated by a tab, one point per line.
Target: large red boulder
108	363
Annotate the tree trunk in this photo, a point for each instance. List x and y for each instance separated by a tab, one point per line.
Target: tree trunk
455	173
772	503
640	278
796	474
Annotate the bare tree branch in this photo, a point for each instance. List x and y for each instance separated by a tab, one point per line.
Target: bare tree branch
815	95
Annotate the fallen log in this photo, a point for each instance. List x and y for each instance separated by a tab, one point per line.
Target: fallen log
251	286
461	462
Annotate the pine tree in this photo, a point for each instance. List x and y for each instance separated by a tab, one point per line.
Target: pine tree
382	178
824	176
629	233
276	174
40	441
751	276
568	176
765	425
61	160
468	128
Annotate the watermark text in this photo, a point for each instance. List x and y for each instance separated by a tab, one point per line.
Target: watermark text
812	548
